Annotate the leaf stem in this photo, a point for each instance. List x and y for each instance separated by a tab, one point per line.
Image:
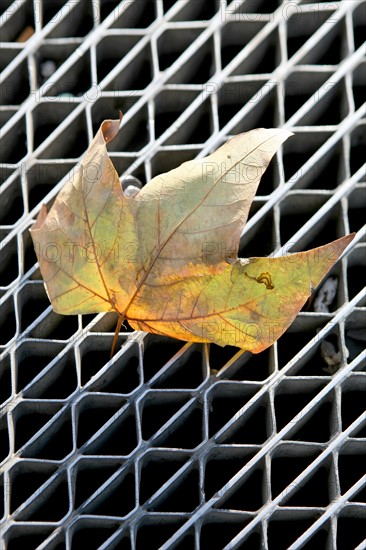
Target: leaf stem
116	333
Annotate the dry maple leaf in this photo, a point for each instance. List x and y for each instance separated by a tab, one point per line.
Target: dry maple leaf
166	258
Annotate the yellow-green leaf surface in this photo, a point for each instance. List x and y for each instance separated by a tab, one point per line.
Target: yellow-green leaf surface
248	304
166	259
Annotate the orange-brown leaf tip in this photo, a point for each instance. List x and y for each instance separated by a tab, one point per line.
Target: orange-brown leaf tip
330	252
324	257
40	218
347	239
110	128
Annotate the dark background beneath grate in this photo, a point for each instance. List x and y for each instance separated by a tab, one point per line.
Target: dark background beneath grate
102	441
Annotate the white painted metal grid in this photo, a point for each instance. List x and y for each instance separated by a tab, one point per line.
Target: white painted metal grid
153	449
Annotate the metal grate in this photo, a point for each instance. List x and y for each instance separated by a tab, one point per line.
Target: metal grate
155	449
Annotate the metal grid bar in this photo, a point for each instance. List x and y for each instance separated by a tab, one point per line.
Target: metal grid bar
168	443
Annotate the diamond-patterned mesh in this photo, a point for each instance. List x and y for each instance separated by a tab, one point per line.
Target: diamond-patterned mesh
171	445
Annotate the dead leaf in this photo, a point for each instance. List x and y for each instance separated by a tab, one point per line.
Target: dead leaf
165	257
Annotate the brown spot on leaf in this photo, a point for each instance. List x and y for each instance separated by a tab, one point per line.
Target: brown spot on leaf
264	278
